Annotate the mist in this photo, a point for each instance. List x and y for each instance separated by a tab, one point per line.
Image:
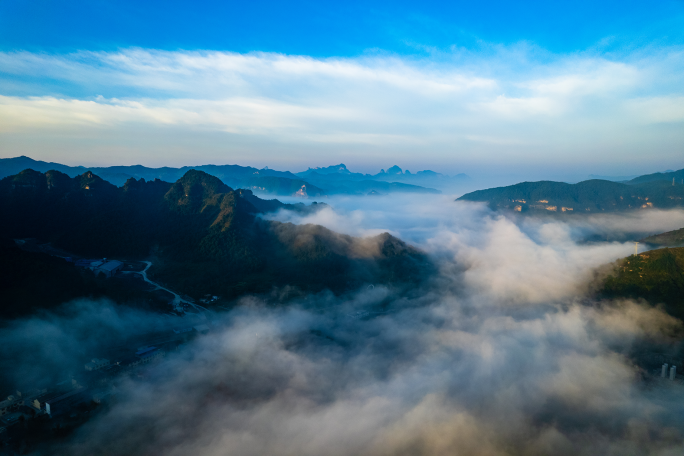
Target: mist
503	352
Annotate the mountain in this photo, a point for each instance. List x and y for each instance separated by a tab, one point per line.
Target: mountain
656	276
338	179
584	197
666	177
202	236
334	169
671	239
11	166
339	184
283	186
264	205
317	182
267	180
611	178
423	178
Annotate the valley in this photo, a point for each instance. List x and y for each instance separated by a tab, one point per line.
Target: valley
197	263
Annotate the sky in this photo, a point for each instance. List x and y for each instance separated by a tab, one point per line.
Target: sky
535	90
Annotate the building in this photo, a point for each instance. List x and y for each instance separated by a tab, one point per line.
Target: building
12	418
145	355
62	403
85	263
11	404
94	264
96	364
108	268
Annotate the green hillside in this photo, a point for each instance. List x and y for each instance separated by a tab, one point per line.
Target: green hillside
656	275
584	197
670	239
202	236
677	176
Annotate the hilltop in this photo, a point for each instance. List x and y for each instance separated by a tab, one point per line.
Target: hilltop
584	197
671	238
203	236
339	177
656	275
676	177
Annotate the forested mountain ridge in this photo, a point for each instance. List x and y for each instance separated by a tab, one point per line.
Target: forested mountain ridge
671	238
266	181
202	235
669	177
655	275
584	197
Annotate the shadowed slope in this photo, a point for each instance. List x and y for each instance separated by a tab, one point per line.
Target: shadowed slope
202	236
656	275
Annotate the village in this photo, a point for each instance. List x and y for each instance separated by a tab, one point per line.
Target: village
72	401
48	411
129	273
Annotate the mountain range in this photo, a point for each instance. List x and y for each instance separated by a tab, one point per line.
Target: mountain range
650	191
312	183
202	235
338	176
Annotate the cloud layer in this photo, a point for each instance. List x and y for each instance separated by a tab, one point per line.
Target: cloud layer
502	354
512	107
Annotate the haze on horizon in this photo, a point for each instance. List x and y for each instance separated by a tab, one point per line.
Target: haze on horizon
529	91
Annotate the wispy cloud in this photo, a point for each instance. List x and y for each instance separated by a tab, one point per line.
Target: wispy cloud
485	108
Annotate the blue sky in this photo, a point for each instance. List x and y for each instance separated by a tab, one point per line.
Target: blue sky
325	29
537	89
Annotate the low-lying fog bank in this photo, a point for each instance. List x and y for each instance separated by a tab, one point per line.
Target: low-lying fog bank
502	354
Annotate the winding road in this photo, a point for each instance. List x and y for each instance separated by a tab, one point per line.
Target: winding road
177	300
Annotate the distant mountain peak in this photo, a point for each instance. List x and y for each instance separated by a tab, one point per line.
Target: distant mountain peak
210	183
90	182
334	169
341	168
395	170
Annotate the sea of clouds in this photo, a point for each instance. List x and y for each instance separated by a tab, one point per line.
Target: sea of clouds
503	352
